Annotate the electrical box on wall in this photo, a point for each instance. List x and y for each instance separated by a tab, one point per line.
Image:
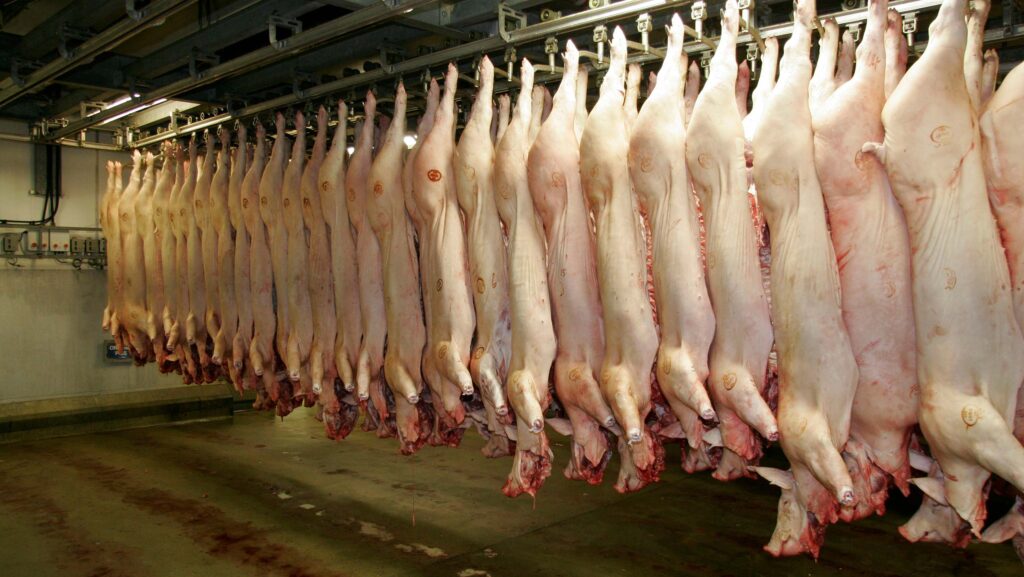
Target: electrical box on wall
34	242
9	243
79	245
60	241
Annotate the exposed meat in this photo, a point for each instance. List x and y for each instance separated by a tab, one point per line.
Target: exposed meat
220	220
261	278
533	337
450	315
300	312
404	315
488	267
554	182
271	209
817	370
369	386
631	338
1003	153
321	289
189	265
164	237
738	361
115	256
203	215
165	206
345	281
241	280
869	234
970	353
146	230
133	306
580	119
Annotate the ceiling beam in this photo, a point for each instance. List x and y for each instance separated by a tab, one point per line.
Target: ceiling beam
226	27
417	21
90	49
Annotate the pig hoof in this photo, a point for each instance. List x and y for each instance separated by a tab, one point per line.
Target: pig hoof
846	496
537	426
609	423
317	388
501	411
364	396
708	414
773	435
634	436
293	377
258	371
413	399
467	391
350	388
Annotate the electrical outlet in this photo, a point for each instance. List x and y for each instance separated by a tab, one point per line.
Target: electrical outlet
34	243
60	241
78	245
92	246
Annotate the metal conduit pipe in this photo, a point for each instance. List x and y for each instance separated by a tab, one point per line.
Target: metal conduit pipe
70	142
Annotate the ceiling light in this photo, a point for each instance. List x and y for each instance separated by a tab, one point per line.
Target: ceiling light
133	110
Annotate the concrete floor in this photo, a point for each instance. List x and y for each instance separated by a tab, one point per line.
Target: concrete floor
264	497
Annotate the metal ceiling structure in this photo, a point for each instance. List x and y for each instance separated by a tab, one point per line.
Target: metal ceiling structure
138	72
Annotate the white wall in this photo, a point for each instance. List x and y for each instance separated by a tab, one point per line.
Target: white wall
50	336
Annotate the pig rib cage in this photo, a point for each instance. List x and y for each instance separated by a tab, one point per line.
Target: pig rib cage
513	33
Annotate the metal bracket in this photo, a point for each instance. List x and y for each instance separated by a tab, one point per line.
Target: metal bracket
854	28
133	12
425	78
90	107
69	34
509	19
600	39
548	14
598	3
705	62
275	21
21	67
198	57
510	61
699	13
643	26
302	80
910	26
444	13
389	55
753	54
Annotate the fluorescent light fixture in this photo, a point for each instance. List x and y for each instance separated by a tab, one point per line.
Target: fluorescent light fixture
410	140
133	111
351	150
118	102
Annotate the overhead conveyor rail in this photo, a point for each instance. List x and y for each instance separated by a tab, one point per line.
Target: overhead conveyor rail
510	39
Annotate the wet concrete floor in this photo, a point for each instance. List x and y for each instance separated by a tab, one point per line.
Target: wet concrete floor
263	497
